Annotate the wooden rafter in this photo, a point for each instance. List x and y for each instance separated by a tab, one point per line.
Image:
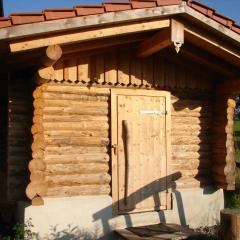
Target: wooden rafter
208	60
229	87
162	39
86	35
31	58
213	44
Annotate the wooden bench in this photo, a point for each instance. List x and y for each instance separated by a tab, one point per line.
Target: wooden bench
157	232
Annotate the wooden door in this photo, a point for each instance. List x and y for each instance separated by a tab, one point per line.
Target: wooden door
140	149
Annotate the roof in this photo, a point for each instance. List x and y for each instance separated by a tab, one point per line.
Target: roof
85	10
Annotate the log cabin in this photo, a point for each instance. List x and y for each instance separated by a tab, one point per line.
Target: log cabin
116	115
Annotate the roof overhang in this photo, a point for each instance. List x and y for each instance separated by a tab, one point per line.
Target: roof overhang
70	24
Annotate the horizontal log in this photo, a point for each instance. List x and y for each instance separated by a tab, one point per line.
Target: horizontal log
76	158
77	179
75	90
42	103
191	148
38	146
191	120
36	165
189	127
79	141
191	164
184	140
68	118
195	173
36	176
73	126
193	183
189	155
68	191
66	169
71	96
36	189
71	133
101	111
75	150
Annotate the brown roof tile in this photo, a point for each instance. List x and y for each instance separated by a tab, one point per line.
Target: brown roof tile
23	18
116	6
58	13
168	2
143	4
5	22
236	28
201	8
223	20
83	10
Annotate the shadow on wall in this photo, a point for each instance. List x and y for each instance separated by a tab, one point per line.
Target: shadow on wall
104	219
105	222
70	233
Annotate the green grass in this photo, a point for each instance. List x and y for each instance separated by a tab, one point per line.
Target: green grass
233	198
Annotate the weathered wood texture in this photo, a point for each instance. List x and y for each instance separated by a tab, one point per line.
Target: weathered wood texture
3	138
19	136
70	149
223	142
71	140
229	226
122	68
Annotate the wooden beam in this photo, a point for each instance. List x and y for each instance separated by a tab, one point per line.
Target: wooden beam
212	44
85	35
162	39
209	61
229	87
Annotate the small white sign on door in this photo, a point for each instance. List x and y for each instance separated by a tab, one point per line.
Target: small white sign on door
153	112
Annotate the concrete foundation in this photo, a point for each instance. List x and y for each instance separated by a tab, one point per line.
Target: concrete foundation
90	217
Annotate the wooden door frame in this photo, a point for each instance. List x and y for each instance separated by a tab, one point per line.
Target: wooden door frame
114	138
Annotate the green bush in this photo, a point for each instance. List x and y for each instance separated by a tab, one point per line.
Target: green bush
21	231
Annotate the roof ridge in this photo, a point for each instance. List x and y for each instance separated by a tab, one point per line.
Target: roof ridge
111	6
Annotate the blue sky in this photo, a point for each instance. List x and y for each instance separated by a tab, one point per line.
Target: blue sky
230	8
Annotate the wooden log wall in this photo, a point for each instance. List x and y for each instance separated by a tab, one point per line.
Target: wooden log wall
224	165
19	136
3	138
71	147
71	142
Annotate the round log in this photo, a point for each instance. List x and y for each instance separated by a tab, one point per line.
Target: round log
53	54
35	189
230	224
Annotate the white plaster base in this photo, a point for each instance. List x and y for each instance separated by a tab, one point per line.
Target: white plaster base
90	217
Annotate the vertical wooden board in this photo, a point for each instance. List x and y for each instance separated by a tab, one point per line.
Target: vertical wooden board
136	71
114	153
124	69
111	68
148	73
159	71
180	76
58	71
84	73
70	70
170	75
99	77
